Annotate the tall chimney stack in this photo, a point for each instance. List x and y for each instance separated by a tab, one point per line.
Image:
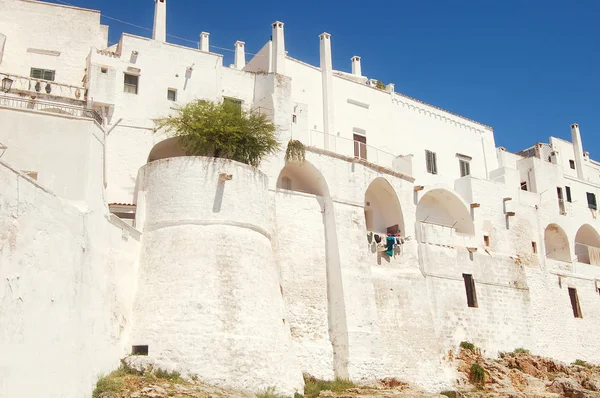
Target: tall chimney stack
278	48
204	41
327	75
356	68
240	55
159	33
578	149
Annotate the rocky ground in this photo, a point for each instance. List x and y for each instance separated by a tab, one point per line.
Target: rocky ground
513	375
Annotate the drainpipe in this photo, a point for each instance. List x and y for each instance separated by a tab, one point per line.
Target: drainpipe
104	178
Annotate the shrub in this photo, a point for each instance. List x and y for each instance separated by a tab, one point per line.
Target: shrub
221	130
477	374
269	393
521	351
580	362
166	375
449	394
107	384
465	345
296	152
313	386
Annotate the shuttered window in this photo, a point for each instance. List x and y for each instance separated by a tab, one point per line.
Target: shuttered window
471	293
131	84
575	303
591	199
43	74
465	167
431	160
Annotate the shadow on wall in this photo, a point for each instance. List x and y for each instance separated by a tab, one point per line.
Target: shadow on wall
587	245
443	207
557	243
168	148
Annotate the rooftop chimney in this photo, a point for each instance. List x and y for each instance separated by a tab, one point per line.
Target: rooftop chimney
356	69
159	33
204	41
327	74
578	149
278	48
240	55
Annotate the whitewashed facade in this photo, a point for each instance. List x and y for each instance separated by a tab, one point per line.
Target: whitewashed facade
248	277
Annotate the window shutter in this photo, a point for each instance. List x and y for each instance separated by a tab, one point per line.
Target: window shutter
434	156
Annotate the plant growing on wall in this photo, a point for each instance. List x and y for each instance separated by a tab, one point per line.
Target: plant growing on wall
295	152
380	85
221	130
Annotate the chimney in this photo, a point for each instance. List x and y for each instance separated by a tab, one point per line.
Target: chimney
578	149
327	75
278	48
204	41
240	55
356	69
159	33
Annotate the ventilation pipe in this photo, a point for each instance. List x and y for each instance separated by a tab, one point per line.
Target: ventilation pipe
327	74
356	68
578	149
240	55
204	41
278	48
159	33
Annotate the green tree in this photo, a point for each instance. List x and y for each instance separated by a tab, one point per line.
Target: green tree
221	130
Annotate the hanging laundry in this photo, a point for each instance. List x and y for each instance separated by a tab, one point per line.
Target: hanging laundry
390	246
370	237
377	238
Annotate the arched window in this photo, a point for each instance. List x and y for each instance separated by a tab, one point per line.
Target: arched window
557	243
587	245
168	148
383	213
443	208
301	177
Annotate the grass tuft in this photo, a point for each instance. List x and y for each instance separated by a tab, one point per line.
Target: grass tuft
449	394
465	345
477	374
521	351
580	362
107	384
314	386
269	393
166	375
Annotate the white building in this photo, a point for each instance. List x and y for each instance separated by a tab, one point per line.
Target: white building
110	240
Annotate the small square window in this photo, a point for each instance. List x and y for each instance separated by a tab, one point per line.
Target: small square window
172	94
534	247
486	240
104	69
131	83
524	186
572	164
139	350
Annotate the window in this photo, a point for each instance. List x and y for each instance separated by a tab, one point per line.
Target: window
568	191
139	350
591	199
43	74
104	70
534	247
234	103
524	186
294	119
465	167
360	146
470	287
486	240
575	303
431	161
172	94
561	201
131	84
572	164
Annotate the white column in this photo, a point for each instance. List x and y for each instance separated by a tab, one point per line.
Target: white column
159	33
327	74
356	68
578	149
278	48
240	55
204	42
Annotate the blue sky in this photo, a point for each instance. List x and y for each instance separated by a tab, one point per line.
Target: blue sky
528	68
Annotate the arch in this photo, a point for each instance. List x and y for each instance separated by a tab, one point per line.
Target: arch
557	243
383	212
442	207
302	177
169	148
587	245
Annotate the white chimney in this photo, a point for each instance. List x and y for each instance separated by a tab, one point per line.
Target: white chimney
390	88
204	41
159	33
356	68
240	55
578	149
278	48
327	74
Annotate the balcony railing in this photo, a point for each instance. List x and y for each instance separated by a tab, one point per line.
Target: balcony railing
52	107
45	88
351	148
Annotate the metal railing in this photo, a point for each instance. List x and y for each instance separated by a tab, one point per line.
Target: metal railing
51	107
45	87
351	148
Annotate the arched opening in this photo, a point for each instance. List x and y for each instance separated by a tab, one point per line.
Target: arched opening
440	207
169	148
302	177
383	213
587	245
557	243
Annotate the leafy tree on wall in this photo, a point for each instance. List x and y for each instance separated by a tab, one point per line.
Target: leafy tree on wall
221	130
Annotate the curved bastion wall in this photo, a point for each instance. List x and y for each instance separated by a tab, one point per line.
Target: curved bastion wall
208	301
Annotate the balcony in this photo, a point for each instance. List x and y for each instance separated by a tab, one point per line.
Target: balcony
51	107
46	89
